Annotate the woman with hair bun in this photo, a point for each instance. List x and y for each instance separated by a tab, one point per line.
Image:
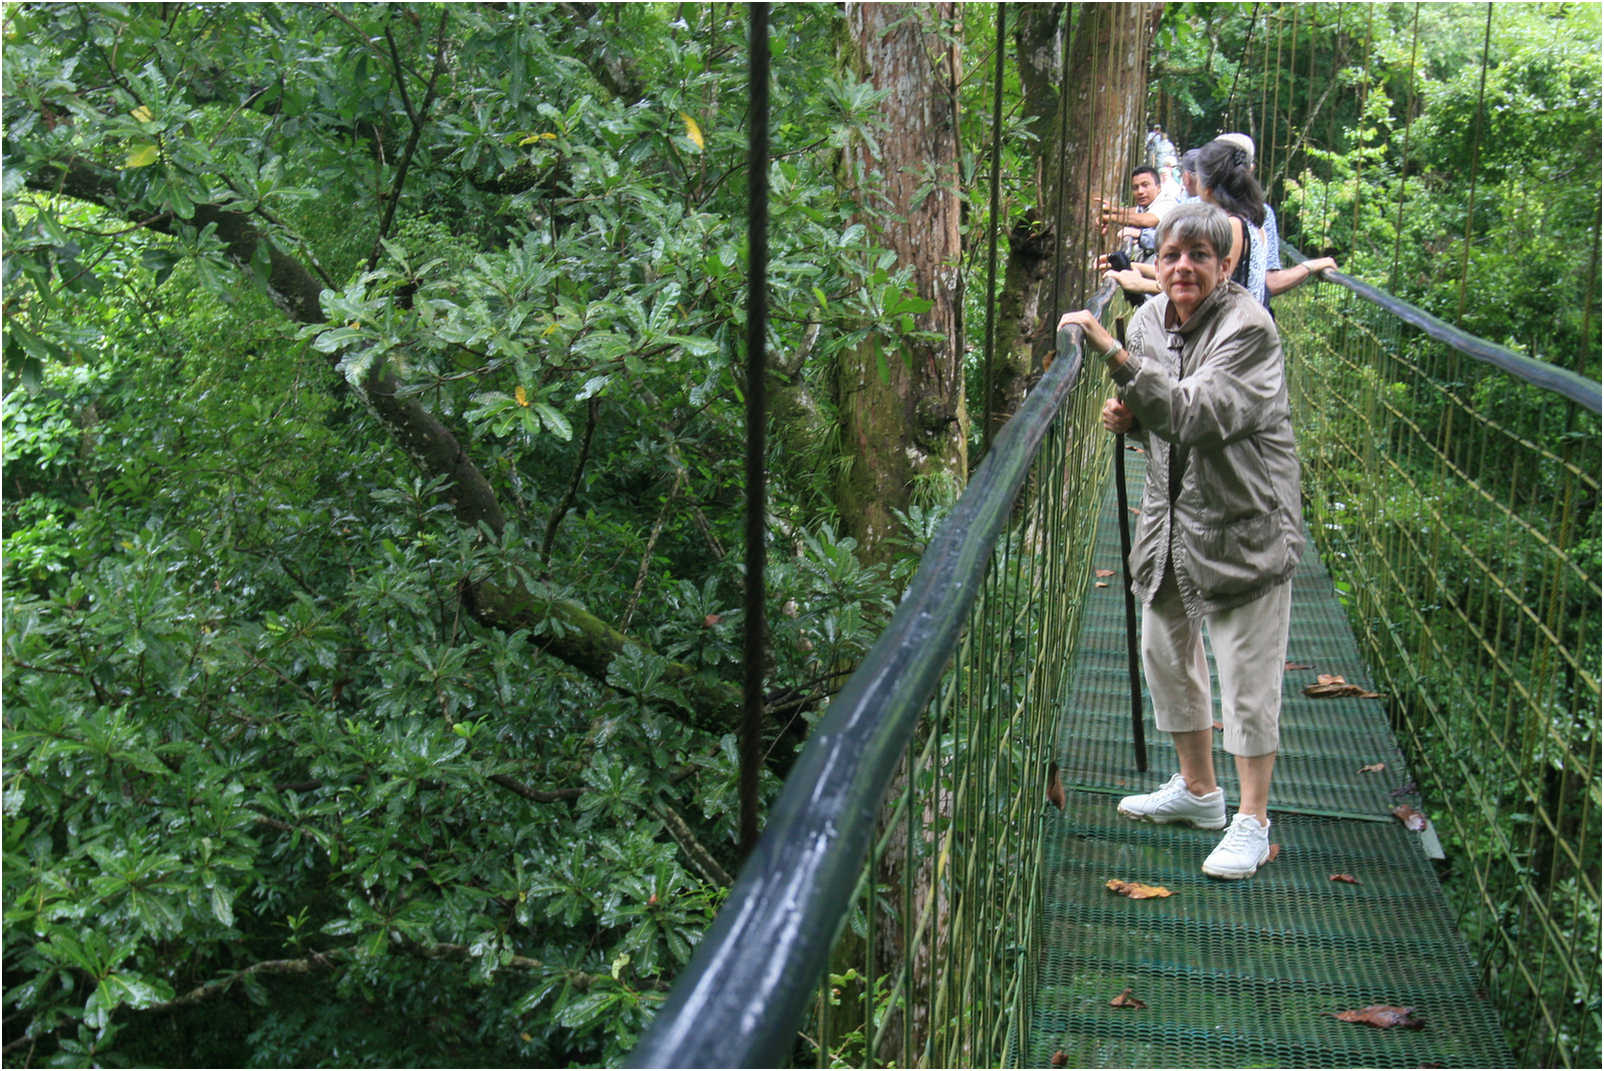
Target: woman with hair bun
1225	174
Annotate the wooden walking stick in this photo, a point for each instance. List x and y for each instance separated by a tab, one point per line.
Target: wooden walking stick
1138	733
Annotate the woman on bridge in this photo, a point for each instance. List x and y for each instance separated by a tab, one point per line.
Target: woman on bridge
1221	526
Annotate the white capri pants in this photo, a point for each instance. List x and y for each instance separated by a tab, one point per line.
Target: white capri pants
1250	653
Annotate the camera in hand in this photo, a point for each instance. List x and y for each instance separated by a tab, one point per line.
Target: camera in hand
1119	261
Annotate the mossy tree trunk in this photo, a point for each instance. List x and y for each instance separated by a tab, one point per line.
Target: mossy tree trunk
901	400
1093	147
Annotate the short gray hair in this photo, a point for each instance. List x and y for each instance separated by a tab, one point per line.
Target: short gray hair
1194	220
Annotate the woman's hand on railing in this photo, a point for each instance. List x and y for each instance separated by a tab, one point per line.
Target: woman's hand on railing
1117	418
1320	264
1092	330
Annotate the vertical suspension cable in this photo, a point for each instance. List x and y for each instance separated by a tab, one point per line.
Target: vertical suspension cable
991	237
1331	134
1364	97
1265	126
1271	174
1475	163
1063	137
1247	45
1093	156
1292	65
991	267
1403	168
1589	303
757	243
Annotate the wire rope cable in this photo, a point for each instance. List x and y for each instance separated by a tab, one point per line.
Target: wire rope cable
1403	168
992	229
756	414
1475	161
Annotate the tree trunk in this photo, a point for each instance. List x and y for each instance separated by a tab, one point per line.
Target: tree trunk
901	401
1092	147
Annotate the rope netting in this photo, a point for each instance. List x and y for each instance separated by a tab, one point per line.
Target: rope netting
955	870
1467	551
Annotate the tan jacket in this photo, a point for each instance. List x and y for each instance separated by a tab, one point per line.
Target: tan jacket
1213	390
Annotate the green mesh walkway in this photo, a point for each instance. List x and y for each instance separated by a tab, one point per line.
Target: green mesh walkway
1246	973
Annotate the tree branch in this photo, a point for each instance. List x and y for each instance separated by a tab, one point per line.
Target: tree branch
569	632
418	121
322	961
573	485
557	795
700	858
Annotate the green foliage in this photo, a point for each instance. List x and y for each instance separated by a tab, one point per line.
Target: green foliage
274	794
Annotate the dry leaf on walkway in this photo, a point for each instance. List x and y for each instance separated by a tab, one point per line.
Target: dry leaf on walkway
1299	665
1135	889
1055	787
1374	767
1059	1059
1105	572
1347	879
1411	818
1125	1000
1275	850
1102	583
1382	1016
1331	684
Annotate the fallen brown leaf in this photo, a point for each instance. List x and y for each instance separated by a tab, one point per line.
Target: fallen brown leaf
1347	879
1055	787
1135	889
1059	1059
1382	1016
1298	665
1125	1000
1105	572
1410	817
1331	684
1275	850
1374	767
1102	583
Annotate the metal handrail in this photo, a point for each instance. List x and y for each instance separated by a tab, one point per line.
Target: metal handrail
741	999
1579	389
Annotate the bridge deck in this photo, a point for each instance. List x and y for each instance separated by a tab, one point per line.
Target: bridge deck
1246	973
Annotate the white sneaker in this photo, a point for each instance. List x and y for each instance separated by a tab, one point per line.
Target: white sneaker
1243	849
1174	802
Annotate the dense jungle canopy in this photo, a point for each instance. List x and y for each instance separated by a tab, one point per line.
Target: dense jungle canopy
373	431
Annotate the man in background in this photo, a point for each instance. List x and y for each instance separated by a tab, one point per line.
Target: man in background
1151	206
